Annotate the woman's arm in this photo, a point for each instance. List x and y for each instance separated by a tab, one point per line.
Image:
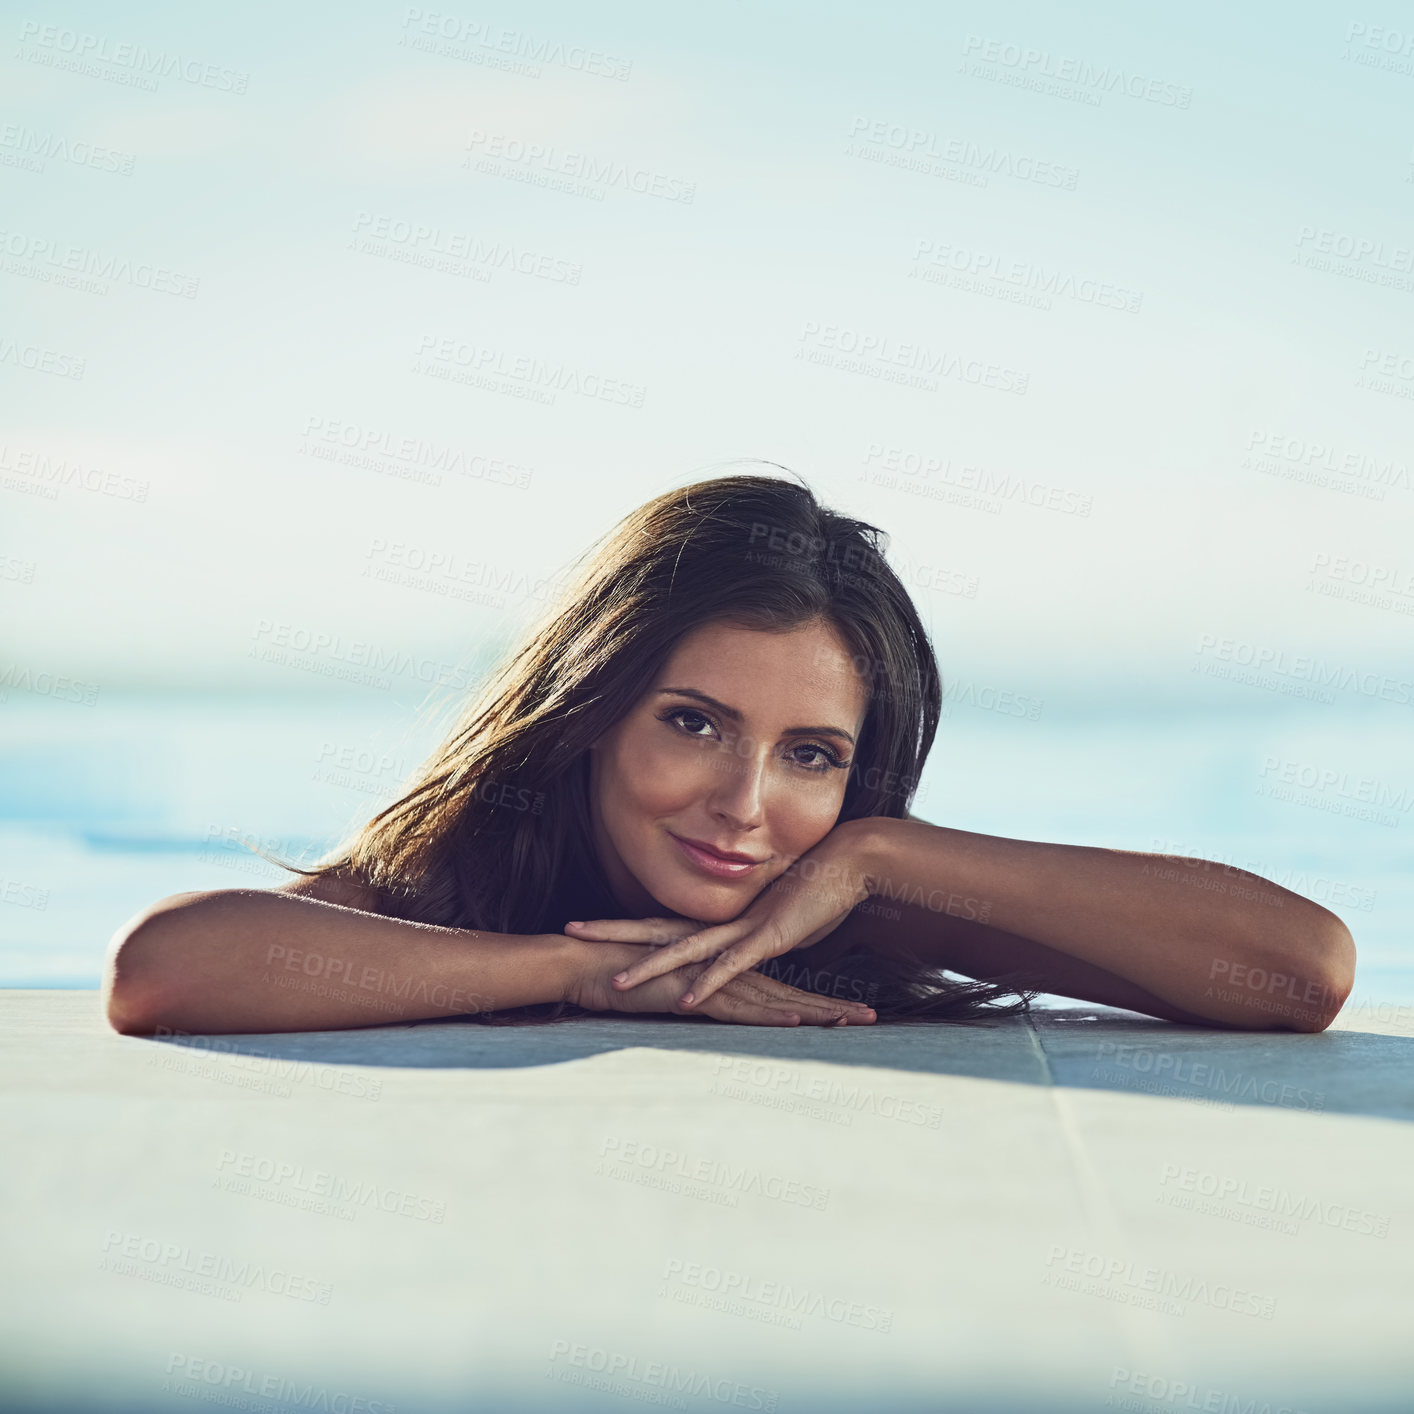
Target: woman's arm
312	957
253	960
1209	942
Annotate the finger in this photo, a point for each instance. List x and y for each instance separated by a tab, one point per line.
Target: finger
663	960
808	1004
818	1009
694	948
629	930
729	965
751	1013
725	1002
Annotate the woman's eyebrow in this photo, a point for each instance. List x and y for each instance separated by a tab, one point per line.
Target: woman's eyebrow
736	716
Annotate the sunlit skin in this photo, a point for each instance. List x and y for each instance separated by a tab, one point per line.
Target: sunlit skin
745	743
754	784
1114	926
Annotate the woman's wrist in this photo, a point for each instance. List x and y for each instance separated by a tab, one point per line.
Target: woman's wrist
869	847
587	967
504	971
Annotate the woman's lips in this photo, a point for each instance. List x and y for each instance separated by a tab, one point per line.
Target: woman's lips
714	864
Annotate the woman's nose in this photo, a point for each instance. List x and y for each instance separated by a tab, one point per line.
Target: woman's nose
739	790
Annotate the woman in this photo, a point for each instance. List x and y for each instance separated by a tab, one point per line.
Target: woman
687	792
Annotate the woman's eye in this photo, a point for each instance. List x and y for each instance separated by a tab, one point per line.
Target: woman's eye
687	712
688	721
824	758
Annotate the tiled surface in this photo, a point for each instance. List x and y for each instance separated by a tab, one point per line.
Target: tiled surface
697	1216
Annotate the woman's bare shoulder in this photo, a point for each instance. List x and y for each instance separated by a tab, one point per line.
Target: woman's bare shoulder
327	888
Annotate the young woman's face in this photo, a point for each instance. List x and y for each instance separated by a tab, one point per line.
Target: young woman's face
740	747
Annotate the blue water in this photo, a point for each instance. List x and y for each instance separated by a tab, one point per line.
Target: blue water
106	808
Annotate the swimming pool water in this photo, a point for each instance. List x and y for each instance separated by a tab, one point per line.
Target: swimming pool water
106	808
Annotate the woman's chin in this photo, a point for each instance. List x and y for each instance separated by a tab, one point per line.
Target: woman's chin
709	905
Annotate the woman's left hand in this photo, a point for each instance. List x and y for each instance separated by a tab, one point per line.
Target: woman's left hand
797	909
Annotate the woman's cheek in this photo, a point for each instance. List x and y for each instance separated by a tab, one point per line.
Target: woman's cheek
666	774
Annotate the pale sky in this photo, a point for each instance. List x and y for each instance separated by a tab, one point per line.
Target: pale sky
1223	240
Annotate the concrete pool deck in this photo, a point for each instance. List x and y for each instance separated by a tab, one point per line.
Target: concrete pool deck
1085	1210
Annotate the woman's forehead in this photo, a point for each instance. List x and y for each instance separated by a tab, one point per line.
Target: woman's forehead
751	669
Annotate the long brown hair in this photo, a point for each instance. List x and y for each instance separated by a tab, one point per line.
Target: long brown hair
493	831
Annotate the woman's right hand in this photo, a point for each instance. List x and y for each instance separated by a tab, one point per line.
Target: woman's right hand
751	999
